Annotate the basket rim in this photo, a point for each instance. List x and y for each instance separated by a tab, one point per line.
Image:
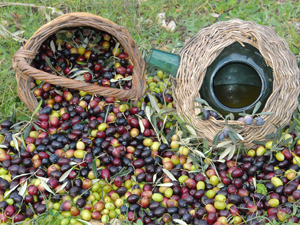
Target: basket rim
80	19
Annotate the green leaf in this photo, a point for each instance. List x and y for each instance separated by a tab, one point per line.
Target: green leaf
94	168
27	131
49	63
259	142
30	206
81	63
285	142
171	133
269	136
292	126
139	222
231	136
14	116
37	108
294	209
256	108
261	188
264	113
229	176
201	101
97	51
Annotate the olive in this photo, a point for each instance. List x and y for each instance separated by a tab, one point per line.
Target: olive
133	198
84	193
74	191
172	210
154	205
134	207
41	209
158	212
46	110
123	209
188	218
80	202
182	203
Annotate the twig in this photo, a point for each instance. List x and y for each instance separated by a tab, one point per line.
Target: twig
15	36
21	4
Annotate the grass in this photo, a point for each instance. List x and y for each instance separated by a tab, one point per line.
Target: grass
189	15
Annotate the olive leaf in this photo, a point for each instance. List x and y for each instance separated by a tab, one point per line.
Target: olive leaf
180	221
73	70
170	175
165	185
200	153
201	101
84	222
59	46
265	113
23	189
79	78
62	187
256	108
254	181
52	46
47	59
65	175
79	73
85	42
15	142
37	108
3	146
8	193
31	207
27	130
232	152
127	78
43	178
141	125
22	175
148	112
94	168
116	48
292	126
45	185
223	144
153	103
97	51
227	151
191	129
95	181
154	178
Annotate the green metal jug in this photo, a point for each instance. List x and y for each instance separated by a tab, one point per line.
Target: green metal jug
236	80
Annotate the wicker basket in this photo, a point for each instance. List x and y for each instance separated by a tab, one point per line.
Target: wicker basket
25	73
200	51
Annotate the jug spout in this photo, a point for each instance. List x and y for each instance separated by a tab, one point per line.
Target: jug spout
165	61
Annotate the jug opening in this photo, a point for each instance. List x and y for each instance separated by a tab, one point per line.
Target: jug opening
237	85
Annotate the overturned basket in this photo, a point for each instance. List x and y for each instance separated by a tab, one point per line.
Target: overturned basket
25	73
200	51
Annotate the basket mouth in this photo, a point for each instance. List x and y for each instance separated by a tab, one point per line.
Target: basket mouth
259	83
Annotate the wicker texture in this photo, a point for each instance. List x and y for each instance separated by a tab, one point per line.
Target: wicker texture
25	73
200	51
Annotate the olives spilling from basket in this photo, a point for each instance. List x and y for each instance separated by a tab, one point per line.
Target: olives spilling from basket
88	55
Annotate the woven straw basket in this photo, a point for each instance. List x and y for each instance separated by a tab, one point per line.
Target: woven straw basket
200	51
25	73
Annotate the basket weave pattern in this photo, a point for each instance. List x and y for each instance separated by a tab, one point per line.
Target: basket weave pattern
200	51
25	73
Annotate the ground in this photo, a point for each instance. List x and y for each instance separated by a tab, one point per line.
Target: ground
19	21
